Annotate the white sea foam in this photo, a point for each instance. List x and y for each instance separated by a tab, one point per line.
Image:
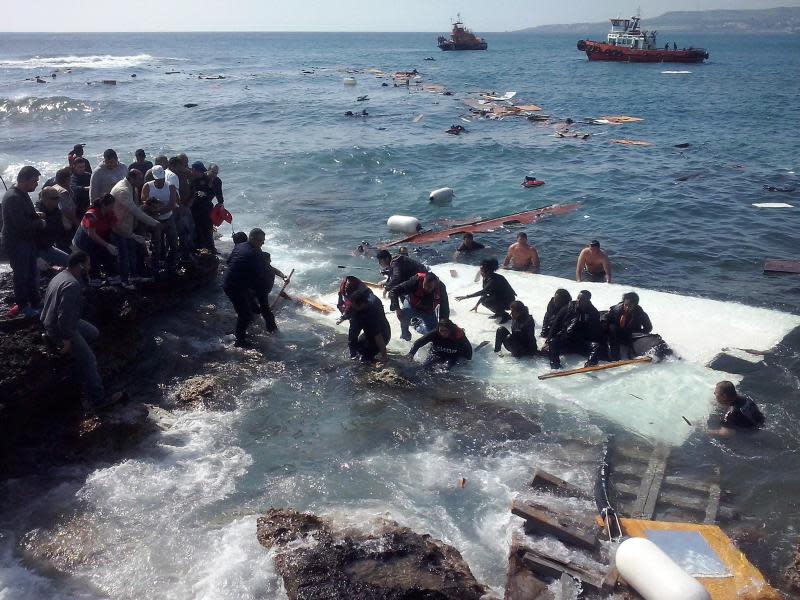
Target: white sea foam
94	61
696	328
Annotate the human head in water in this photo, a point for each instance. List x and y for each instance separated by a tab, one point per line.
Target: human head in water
584	299
630	300
725	393
522	237
256	237
489	266
384	258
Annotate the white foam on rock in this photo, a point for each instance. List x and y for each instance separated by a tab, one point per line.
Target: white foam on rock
697	329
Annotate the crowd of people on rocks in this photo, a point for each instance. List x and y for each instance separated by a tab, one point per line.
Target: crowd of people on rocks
111	225
122	224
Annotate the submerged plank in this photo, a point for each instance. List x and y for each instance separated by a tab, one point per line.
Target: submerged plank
543	521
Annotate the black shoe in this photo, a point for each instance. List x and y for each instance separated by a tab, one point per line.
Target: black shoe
555	365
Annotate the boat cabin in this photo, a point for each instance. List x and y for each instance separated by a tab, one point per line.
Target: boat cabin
626	32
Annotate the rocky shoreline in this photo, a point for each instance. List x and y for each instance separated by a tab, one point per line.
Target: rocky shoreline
42	421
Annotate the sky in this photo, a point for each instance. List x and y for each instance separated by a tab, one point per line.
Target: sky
332	15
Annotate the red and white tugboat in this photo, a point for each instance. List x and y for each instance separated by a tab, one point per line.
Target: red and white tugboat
627	43
462	39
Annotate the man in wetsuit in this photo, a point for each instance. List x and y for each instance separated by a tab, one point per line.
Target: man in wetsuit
448	345
575	330
496	294
742	413
423	293
559	300
521	340
593	264
247	276
622	321
369	330
522	256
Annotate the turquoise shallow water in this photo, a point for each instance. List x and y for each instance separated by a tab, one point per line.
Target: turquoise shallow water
308	432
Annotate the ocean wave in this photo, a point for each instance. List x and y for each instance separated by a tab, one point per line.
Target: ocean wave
94	61
32	106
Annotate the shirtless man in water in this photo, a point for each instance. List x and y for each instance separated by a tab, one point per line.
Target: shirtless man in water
521	255
593	264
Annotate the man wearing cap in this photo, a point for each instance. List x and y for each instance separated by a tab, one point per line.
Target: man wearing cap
106	176
127	211
77	152
593	264
21	225
159	199
202	194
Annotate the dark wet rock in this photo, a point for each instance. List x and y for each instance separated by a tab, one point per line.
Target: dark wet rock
42	418
195	391
792	574
733	364
319	561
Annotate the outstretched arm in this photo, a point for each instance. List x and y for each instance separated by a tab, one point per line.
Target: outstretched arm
581	265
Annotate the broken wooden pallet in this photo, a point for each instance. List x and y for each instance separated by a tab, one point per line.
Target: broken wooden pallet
544	521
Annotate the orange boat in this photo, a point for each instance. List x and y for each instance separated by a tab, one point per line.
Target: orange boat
521	218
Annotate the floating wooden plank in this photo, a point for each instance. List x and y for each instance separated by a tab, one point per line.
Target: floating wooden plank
521	584
552	567
772	265
618	119
631	142
610	365
315	305
543	479
550	523
645	504
520	218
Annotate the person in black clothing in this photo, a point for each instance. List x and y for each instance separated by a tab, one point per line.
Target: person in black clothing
79	184
141	165
216	183
398	269
448	344
742	413
77	153
369	330
469	244
424	293
559	300
48	238
622	322
247	275
576	329
349	286
496	294
521	340
202	194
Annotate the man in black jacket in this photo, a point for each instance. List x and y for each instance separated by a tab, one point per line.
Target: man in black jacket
521	340
369	330
424	293
496	293
247	276
576	329
559	300
398	269
623	321
21	225
448	344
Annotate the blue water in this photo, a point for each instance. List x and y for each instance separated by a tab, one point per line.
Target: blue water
305	434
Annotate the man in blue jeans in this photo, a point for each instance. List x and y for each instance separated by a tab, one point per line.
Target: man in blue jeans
63	302
21	225
424	294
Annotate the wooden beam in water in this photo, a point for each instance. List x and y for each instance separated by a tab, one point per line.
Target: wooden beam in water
772	265
546	522
645	504
552	567
611	365
543	479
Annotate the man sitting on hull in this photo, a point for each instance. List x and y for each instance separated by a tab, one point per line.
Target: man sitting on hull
621	323
575	330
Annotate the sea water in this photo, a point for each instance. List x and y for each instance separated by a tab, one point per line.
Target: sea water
176	518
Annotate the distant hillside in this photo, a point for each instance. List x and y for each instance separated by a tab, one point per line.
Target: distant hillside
783	20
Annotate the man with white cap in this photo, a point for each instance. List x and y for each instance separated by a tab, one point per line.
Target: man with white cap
160	199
